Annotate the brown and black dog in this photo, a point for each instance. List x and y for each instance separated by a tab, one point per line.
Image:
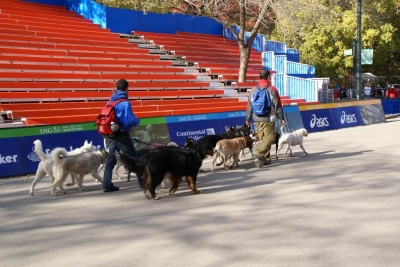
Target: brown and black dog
175	161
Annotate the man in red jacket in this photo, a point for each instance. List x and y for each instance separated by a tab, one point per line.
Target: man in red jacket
266	123
392	92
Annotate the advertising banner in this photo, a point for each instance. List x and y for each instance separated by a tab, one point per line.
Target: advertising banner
192	126
318	120
372	113
69	136
292	118
68	141
347	117
231	119
151	130
11	160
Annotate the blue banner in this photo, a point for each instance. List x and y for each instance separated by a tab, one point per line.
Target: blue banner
11	160
292	118
179	132
233	119
192	118
69	141
318	120
347	117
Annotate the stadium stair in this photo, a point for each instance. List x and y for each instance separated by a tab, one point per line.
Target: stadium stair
62	68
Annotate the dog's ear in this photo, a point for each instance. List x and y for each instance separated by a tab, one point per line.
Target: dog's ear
86	142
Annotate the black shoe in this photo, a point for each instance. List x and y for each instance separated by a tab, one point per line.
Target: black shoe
111	189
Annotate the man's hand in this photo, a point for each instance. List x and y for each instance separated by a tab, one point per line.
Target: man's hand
248	123
282	122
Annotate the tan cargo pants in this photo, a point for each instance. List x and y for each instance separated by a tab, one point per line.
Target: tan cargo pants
266	134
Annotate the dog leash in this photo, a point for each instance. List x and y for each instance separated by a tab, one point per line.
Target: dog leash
140	143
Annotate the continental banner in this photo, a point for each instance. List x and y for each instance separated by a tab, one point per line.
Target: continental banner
232	119
193	126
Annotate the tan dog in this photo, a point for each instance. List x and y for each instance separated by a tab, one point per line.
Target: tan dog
230	147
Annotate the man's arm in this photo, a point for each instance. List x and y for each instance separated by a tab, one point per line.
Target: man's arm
249	110
125	115
275	103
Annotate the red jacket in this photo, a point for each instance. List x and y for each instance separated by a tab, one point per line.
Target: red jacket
263	83
392	93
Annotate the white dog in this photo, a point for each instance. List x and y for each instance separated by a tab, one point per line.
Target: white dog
291	139
46	162
81	165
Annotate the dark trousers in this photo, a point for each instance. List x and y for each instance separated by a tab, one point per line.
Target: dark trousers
118	142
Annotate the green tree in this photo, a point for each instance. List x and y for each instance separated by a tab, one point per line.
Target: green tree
322	44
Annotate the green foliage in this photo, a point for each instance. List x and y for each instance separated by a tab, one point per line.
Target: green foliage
158	6
322	44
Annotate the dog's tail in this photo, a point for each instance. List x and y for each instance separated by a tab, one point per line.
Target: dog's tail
133	165
39	150
282	129
58	153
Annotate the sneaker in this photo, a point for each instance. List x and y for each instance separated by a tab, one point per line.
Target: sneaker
267	162
111	189
258	162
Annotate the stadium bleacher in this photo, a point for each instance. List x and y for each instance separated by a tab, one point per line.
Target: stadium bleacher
62	68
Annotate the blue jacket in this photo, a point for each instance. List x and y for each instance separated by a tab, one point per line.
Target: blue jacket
123	111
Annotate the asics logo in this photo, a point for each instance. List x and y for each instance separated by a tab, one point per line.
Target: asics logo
319	122
351	118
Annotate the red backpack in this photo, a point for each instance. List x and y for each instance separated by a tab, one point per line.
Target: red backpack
106	117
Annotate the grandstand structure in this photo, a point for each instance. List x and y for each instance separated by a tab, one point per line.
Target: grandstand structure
57	67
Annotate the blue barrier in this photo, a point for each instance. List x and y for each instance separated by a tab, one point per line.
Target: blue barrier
192	126
293	55
347	117
11	159
69	141
120	20
391	106
292	118
301	88
318	120
16	145
89	10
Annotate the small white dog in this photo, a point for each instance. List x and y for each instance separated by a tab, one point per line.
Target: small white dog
46	162
291	139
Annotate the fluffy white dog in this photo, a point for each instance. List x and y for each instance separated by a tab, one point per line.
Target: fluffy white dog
291	139
46	162
81	165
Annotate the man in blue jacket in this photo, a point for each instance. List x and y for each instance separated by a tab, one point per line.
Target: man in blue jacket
121	139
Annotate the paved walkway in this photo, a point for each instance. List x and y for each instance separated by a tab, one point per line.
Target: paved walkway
338	206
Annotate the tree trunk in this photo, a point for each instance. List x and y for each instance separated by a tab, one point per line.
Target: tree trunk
245	51
244	62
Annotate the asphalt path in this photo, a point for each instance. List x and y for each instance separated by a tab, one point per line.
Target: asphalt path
337	206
